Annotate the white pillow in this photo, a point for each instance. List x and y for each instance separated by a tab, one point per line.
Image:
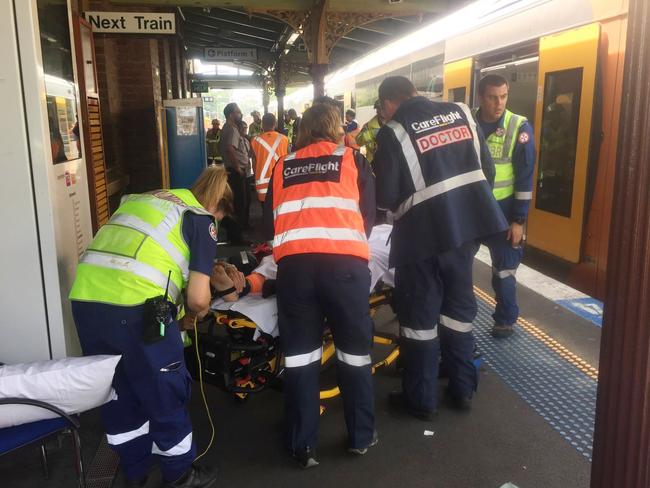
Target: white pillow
72	384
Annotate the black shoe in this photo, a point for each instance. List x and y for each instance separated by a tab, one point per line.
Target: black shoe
501	331
306	457
360	451
398	401
196	477
459	402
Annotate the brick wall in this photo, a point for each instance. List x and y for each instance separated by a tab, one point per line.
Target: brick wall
135	74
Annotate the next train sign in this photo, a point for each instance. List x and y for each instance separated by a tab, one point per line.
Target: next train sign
132	22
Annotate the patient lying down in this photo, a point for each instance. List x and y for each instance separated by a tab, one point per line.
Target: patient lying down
230	284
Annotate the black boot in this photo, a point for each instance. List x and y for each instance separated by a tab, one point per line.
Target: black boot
195	477
306	457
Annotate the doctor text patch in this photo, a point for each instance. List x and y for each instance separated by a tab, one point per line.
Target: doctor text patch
443	138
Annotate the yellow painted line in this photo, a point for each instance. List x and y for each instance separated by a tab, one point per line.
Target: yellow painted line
535	331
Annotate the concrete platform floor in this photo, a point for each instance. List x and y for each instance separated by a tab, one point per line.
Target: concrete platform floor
501	440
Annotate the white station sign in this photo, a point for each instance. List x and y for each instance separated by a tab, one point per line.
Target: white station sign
132	22
230	53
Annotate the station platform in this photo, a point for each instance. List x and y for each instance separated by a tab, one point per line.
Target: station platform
531	423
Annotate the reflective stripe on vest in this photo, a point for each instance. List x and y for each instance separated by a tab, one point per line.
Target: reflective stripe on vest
316	202
502	148
320	212
264	176
409	154
133	255
427	192
133	266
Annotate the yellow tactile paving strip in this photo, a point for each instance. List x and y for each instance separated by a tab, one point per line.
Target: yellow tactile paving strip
572	358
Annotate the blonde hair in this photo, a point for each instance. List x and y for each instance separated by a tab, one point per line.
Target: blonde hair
211	189
320	122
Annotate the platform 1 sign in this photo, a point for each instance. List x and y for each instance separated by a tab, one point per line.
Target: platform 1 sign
230	53
131	22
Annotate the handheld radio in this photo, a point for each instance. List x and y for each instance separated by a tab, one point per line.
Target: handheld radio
157	316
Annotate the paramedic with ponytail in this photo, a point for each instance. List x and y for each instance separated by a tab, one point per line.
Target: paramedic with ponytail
126	297
319	208
433	173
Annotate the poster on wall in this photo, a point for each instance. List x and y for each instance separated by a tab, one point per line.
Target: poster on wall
186	121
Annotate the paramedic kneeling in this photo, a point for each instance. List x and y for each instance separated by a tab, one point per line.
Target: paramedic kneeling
118	309
320	207
431	166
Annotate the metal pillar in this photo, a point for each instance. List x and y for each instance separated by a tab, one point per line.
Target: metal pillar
279	93
266	98
622	435
318	72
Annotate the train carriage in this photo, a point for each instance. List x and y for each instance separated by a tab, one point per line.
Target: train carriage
564	62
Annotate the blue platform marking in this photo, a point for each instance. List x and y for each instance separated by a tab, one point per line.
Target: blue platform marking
587	308
562	394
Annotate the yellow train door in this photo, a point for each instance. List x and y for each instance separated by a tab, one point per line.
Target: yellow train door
458	81
565	102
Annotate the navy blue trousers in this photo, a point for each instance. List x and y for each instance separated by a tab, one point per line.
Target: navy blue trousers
149	420
310	289
505	261
436	290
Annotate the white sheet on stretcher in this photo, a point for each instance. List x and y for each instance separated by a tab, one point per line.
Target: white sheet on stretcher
264	311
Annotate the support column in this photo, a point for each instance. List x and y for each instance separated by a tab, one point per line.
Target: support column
319	53
318	72
279	81
266	98
622	434
279	93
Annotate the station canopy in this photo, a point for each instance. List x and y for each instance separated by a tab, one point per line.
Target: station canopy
298	33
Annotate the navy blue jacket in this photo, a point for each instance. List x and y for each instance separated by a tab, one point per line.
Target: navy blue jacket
434	171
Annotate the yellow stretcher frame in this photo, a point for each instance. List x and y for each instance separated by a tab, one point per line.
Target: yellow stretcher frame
575	48
376	299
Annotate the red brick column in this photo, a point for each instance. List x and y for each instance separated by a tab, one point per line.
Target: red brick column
622	436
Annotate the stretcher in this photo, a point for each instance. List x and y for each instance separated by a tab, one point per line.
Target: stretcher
239	343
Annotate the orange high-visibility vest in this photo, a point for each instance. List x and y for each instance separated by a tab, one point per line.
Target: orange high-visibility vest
316	203
268	147
350	139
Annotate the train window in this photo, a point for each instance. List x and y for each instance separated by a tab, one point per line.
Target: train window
557	157
458	94
426	75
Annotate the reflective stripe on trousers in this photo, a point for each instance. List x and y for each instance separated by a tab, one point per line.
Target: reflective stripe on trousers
456	325
181	448
419	335
353	359
504	273
117	439
306	359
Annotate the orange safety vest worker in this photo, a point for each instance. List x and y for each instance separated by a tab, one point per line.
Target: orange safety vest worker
350	139
316	203
268	148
